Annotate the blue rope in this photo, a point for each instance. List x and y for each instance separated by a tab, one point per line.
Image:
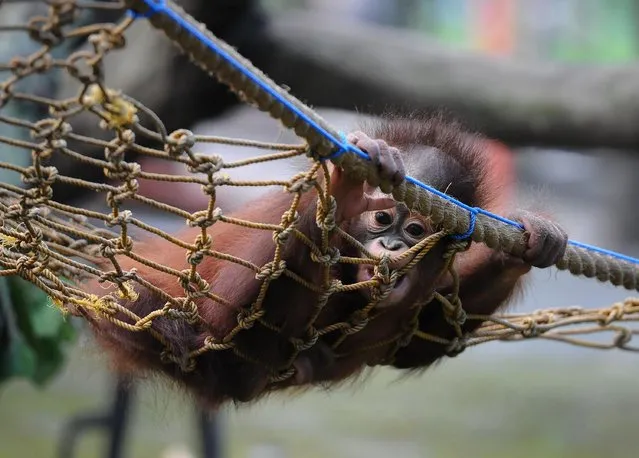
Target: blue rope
159	6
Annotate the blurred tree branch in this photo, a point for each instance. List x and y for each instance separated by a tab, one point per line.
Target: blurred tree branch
341	64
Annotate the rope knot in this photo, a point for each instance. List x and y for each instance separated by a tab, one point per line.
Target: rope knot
382	269
14	212
45	31
530	328
116	148
281	235
40	176
217	180
271	271
203	219
121	193
106	40
143	325
114	153
615	313
301	184
453	310
107	251
544	316
326	216
211	344
203	242
190	311
386	279
246	318
456	346
32	241
19	66
194	285
201	163
289	218
330	258
196	257
50	129
188	315
42	64
178	142
119	278
124	243
62	12
82	67
24	264
324	295
304	344
123	218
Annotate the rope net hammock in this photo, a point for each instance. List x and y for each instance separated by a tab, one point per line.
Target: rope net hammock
61	248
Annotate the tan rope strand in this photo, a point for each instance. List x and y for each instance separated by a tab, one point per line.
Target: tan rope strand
493	233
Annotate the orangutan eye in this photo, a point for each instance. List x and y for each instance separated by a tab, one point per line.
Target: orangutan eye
383	218
415	230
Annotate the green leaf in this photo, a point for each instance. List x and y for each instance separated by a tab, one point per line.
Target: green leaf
50	360
17	360
35	332
33	309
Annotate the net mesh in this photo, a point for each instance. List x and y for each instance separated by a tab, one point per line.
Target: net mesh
60	247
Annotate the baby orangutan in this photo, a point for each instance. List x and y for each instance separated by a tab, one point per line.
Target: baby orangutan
436	152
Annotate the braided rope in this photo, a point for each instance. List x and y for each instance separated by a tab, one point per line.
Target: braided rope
252	85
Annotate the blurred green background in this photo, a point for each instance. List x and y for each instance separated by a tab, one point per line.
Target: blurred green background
570	30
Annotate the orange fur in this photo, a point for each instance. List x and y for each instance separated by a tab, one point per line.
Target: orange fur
474	167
